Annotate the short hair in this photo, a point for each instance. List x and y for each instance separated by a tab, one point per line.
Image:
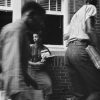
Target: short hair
34	7
94	2
39	33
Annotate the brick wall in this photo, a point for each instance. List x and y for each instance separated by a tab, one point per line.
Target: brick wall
98	23
62	84
60	78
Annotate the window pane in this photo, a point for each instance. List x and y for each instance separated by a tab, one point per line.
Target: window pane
54	30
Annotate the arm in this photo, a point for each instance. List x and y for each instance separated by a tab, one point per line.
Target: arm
66	36
45	54
39	63
90	30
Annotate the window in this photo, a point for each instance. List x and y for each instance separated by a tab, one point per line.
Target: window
53	34
5	5
5	18
52	5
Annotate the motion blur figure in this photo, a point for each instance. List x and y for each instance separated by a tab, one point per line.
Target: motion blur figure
15	53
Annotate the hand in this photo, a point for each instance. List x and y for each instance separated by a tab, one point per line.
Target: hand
43	60
36	65
45	55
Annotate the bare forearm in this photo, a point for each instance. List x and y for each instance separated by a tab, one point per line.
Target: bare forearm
36	63
93	38
90	30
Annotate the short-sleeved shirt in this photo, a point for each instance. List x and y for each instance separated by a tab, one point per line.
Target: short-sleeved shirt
77	24
38	52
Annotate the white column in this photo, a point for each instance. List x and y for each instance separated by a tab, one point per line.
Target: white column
16	6
65	7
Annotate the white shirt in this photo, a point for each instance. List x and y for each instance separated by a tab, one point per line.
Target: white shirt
77	24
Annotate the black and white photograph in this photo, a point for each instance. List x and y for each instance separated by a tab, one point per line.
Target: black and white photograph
49	50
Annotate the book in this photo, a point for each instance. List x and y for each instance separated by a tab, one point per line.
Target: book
94	55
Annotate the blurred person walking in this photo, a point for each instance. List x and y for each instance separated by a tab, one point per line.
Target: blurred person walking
15	51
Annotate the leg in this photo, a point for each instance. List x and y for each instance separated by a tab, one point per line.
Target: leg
28	95
82	63
44	83
77	86
21	96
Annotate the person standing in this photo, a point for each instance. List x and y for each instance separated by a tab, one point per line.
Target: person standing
80	35
15	49
39	63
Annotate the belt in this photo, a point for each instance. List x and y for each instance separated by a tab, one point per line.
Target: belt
80	42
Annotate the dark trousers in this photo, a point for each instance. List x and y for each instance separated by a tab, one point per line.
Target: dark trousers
28	95
22	96
82	71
